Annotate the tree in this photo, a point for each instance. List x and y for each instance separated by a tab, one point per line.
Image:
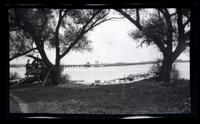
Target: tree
61	29
168	29
20	43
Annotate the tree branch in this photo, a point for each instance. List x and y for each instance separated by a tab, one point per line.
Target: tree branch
82	32
94	25
21	54
167	17
141	43
180	26
181	36
160	46
130	19
137	16
188	20
179	49
60	17
31	56
65	12
57	40
38	41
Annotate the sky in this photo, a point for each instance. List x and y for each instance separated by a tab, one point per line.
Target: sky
111	43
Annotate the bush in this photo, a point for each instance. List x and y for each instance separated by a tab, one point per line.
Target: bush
64	77
175	73
156	68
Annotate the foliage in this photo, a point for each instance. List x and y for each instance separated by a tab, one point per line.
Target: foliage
175	73
61	29
168	29
66	39
21	20
33	21
71	27
44	25
157	27
18	43
64	76
154	28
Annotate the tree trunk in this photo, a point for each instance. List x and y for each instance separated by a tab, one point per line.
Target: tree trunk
166	69
55	77
52	77
56	73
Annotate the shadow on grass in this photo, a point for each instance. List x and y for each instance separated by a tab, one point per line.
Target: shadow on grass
142	97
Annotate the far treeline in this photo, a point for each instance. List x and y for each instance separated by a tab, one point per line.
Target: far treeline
31	30
115	64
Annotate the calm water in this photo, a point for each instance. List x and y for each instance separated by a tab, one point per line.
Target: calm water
108	73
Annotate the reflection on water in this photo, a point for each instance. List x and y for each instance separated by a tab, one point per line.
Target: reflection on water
108	73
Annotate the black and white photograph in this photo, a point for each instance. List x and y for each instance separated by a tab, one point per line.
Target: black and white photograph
104	61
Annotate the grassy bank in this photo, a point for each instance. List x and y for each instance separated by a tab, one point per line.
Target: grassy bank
142	97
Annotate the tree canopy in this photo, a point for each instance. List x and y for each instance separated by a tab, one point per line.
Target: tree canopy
61	29
168	29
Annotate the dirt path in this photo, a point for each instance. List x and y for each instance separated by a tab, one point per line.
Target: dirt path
23	106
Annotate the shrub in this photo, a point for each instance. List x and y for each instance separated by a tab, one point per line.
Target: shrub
64	77
156	68
175	73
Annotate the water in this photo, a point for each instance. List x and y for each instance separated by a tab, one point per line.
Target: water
105	73
108	73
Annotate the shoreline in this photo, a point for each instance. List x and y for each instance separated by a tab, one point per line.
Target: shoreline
92	74
110	82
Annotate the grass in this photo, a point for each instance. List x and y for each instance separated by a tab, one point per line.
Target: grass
142	97
14	107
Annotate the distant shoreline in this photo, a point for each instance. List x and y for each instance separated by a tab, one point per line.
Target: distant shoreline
109	64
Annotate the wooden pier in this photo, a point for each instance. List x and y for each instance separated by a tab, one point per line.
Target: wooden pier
75	66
